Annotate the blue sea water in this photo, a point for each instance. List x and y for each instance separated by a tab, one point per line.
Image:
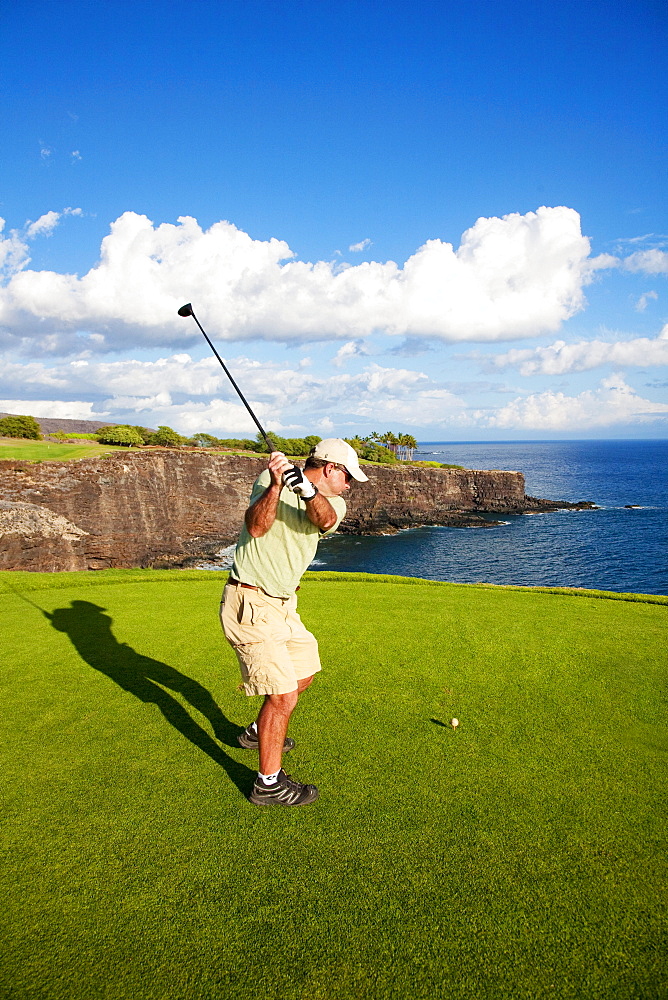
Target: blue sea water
612	548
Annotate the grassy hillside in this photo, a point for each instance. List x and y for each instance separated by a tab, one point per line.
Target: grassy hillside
522	856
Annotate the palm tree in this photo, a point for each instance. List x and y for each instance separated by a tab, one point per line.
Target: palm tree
407	445
390	440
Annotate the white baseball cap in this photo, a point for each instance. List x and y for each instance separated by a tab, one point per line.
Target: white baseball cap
340	452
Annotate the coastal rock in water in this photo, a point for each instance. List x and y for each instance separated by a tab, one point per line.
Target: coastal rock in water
535	503
163	507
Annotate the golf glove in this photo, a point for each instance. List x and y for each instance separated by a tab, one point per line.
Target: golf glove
296	481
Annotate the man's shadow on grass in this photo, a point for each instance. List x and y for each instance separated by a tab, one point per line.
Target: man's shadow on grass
89	631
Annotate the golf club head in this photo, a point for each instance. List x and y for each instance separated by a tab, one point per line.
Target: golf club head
187	310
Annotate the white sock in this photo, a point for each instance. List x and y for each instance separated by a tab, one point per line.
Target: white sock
252	728
269	779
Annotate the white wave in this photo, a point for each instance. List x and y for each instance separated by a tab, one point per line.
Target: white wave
222	560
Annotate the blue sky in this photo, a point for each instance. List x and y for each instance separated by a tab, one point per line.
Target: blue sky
444	218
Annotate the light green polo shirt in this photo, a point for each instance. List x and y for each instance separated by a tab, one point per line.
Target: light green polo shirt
277	561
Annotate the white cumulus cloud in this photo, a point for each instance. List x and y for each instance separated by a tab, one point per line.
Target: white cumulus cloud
44	226
74	410
614	402
359	247
648	262
14	247
511	277
196	395
14	251
561	358
351	349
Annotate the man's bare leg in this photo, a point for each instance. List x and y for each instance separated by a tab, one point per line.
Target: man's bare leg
272	726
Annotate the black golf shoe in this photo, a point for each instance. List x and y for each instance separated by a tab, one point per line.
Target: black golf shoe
285	792
249	741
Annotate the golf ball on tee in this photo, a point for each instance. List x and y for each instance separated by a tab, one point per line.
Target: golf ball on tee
454	723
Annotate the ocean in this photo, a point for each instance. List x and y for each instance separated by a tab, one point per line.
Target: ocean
613	548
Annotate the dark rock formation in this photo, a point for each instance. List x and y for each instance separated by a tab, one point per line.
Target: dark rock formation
172	508
31	534
407	496
542	506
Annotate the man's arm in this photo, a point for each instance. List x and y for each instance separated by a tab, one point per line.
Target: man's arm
320	512
318	508
261	515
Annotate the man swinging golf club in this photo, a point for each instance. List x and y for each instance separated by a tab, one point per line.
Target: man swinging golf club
290	510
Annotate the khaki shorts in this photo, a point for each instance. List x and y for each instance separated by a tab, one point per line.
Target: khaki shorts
273	647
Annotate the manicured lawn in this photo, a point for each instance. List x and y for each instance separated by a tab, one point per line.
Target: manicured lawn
521	857
48	451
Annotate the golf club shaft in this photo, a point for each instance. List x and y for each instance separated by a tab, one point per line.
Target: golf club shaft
188	310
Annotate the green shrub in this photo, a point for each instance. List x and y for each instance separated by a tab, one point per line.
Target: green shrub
378	453
166	437
298	446
202	440
143	432
20	427
239	444
372	451
121	434
289	446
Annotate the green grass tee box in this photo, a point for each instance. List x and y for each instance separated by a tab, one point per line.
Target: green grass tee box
522	856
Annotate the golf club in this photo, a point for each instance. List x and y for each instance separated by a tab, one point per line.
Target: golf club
187	310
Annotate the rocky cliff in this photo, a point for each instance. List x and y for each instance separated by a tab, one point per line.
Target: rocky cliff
170	508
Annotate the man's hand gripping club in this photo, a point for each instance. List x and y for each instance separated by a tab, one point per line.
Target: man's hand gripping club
296	481
284	473
262	514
